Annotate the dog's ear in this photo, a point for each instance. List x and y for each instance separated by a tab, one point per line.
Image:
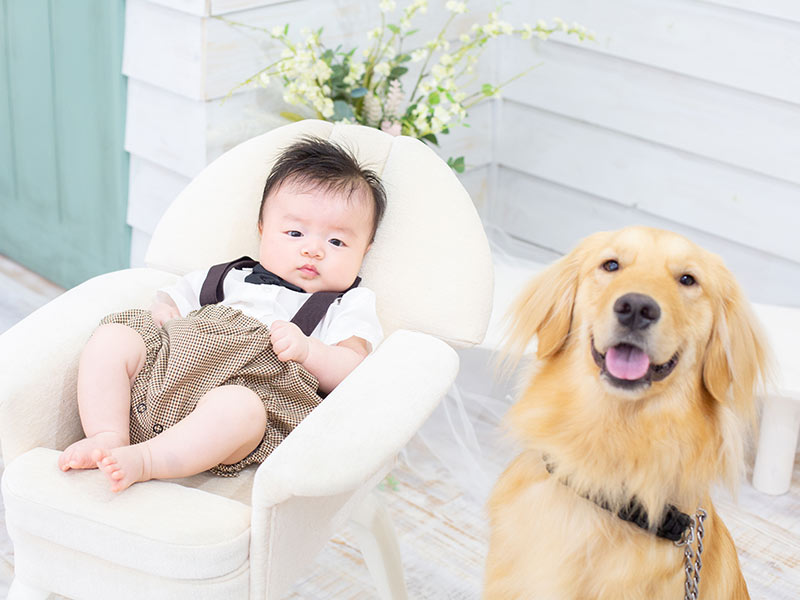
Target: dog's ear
544	308
736	356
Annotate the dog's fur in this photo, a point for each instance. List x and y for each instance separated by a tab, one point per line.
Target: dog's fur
660	442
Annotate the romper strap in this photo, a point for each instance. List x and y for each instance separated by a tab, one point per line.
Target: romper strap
212	290
307	318
314	309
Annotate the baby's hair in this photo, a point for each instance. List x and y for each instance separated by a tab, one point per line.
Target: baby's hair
328	166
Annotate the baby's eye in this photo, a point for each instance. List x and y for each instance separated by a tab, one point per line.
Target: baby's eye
336	242
294	233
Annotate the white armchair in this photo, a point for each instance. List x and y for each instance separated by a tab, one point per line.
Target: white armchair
251	536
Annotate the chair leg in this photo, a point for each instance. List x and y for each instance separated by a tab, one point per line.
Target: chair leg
377	539
22	591
777	444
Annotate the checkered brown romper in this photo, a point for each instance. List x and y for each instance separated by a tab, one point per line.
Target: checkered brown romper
214	346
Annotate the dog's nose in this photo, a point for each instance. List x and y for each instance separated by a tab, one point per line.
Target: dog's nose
636	311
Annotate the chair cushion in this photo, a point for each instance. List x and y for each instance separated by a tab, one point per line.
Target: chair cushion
158	527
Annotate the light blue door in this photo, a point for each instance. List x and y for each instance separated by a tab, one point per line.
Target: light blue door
63	170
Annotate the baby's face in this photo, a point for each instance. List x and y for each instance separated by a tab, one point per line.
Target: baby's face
314	239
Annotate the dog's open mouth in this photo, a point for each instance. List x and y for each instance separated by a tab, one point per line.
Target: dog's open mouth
627	366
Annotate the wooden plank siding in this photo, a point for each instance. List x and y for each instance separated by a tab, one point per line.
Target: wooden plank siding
682	115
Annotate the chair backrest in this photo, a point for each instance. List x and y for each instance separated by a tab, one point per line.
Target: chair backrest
430	265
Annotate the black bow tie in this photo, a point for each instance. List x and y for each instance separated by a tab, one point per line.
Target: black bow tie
261	275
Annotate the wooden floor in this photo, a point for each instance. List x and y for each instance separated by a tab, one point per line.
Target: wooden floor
440	517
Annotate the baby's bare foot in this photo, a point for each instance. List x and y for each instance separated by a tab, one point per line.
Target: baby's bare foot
79	454
123	466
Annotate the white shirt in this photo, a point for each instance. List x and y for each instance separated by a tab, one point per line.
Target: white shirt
353	314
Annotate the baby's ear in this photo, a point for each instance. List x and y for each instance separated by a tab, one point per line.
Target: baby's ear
260	227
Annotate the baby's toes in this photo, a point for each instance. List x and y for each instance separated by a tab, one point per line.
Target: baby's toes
64	460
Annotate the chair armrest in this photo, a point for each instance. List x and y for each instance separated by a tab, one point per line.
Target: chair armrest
363	423
39	358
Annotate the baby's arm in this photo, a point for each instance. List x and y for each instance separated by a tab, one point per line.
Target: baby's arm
163	309
329	364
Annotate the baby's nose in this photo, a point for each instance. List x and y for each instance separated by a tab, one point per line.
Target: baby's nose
312	249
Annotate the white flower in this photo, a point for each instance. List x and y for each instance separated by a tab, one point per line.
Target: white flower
464	38
491	29
540	24
417	5
543	35
382	68
355	73
506	28
418	55
527	31
277	31
442	114
439	72
387	5
446	59
375	33
560	23
456	7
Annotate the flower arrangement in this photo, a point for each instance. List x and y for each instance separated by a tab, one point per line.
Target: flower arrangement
420	91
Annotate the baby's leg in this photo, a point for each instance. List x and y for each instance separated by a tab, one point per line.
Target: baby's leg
227	425
110	362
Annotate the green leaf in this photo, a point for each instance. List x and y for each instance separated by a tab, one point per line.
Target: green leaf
487	89
290	116
394	29
412	32
434	99
358	92
286	29
457	164
430	138
401	58
397	72
342	110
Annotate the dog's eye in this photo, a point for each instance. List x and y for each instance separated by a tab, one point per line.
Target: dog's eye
687	279
610	265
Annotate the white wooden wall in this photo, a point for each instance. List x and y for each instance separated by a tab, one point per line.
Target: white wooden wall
684	114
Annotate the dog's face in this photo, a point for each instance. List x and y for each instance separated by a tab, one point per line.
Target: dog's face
644	309
641	310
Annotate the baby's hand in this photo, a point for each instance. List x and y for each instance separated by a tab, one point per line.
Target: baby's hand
288	342
163	312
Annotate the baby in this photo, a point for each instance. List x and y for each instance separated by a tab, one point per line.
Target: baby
185	388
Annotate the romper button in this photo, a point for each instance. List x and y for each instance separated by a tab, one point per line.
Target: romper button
158	428
141	407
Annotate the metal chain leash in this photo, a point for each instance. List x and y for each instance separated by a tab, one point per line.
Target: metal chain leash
692	562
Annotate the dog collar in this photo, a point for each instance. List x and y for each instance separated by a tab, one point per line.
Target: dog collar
673	525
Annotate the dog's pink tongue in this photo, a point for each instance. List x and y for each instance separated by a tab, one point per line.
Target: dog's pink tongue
627	362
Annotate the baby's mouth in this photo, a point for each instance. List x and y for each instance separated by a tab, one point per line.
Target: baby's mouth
309	270
628	366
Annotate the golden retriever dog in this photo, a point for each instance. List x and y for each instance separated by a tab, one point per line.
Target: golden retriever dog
641	398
